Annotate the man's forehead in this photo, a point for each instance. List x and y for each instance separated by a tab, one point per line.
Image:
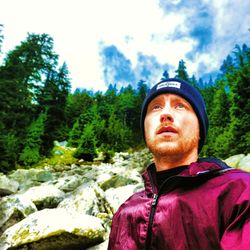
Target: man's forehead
171	96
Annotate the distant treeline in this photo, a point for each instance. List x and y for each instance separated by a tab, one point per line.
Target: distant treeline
37	108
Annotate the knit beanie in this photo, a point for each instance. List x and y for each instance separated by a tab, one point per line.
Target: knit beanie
186	91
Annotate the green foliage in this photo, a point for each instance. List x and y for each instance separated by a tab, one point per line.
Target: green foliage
119	135
239	82
9	149
32	148
29	156
87	147
220	110
76	132
77	103
208	95
60	156
229	111
30	83
53	100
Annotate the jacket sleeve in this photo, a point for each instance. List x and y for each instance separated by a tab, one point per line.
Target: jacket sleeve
236	236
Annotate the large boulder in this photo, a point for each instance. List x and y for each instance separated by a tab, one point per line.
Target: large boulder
137	160
117	178
68	183
13	209
7	186
89	199
31	177
116	196
102	246
54	229
234	160
244	163
44	196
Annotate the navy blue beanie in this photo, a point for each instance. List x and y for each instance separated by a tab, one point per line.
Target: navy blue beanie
189	93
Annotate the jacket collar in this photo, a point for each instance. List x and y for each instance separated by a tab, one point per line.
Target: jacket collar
203	167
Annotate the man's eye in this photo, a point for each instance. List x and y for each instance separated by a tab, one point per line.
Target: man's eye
180	106
156	107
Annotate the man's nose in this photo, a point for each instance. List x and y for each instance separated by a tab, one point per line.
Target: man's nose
166	117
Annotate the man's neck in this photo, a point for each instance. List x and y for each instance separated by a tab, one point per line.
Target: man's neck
173	161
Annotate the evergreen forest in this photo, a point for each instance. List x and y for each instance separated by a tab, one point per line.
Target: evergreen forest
37	107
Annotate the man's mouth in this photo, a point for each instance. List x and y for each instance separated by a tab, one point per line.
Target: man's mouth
166	129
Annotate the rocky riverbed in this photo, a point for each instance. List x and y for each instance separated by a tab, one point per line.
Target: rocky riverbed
71	206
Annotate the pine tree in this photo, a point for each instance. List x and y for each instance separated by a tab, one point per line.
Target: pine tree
181	72
227	65
89	128
119	136
53	100
83	120
87	149
218	132
32	148
20	81
9	145
240	110
165	75
77	103
125	107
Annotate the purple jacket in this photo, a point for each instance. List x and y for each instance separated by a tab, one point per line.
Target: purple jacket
205	207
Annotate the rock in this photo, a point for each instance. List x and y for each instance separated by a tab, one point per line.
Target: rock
121	156
244	163
7	186
89	199
102	246
116	196
52	229
13	209
113	180
30	177
233	161
44	196
116	176
68	183
77	201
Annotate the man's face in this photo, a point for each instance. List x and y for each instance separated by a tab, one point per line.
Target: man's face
171	126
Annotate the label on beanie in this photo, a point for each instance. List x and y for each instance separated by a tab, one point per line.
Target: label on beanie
169	84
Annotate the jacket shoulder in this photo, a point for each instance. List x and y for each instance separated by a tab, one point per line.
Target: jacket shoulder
219	168
216	161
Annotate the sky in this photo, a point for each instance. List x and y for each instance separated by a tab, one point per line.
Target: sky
124	41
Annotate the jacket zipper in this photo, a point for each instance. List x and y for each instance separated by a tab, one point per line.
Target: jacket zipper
153	208
151	218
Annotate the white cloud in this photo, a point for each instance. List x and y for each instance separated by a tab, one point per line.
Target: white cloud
133	26
78	26
231	24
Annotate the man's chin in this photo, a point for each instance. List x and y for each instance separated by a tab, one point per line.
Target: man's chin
165	148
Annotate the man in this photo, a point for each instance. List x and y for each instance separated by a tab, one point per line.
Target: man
188	203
